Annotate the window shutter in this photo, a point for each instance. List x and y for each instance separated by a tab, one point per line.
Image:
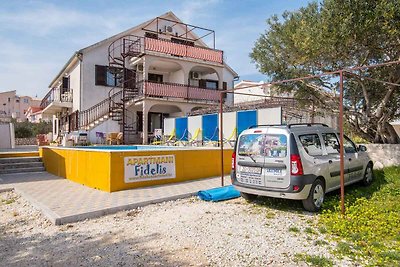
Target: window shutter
100	75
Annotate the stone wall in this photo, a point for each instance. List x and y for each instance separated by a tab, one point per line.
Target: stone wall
25	141
384	155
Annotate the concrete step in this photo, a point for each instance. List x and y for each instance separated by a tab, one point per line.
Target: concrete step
19	160
22	170
18	165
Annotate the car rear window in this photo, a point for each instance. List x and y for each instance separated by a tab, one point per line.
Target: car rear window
311	144
274	146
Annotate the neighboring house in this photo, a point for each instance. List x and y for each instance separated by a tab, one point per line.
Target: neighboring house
15	106
131	81
35	115
254	91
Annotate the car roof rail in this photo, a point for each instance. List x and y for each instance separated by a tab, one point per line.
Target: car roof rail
267	125
307	124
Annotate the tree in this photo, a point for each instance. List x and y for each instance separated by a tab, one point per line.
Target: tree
333	35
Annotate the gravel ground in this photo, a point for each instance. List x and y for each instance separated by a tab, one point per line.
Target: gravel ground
186	232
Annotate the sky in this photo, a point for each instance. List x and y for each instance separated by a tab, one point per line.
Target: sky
38	37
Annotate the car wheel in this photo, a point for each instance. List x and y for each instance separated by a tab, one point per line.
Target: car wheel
248	197
368	175
316	197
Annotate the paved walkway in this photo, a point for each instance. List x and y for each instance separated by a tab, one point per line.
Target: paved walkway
63	201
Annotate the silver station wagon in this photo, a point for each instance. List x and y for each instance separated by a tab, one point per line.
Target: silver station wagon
296	161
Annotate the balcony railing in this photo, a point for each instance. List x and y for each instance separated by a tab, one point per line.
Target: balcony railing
59	95
166	46
132	45
176	90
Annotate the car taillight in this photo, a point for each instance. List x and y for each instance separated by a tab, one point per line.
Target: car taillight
233	161
296	166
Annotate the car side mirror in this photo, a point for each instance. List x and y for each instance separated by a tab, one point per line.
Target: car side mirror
362	148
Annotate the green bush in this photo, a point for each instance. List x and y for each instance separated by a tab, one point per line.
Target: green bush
27	129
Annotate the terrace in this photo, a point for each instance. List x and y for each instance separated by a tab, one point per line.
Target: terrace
56	99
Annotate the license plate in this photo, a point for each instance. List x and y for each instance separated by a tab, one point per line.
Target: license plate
252	170
273	171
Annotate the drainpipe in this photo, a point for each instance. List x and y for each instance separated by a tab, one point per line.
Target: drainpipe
79	55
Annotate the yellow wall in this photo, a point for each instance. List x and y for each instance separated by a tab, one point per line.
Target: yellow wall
105	170
90	168
189	165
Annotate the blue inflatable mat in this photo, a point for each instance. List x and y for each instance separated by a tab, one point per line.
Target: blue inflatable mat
218	194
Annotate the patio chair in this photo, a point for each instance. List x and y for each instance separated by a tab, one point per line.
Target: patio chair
195	138
120	138
100	137
111	138
208	141
231	140
166	139
180	140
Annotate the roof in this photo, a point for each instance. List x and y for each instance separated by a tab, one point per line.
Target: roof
78	53
7	92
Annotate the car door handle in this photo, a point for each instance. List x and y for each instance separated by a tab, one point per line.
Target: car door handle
330	161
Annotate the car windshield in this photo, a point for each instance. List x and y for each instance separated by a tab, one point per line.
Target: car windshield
274	146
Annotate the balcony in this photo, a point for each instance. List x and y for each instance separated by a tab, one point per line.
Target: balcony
56	99
135	46
165	46
176	90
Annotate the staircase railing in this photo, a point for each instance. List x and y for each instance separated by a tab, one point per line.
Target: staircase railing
90	115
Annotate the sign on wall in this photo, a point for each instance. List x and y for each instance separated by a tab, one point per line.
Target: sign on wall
147	168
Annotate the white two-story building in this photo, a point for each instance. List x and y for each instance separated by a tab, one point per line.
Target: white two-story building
131	81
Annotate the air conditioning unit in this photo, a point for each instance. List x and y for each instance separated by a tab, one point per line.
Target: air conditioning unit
139	67
194	75
168	29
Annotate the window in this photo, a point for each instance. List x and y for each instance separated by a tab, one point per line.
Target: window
107	76
156	78
273	146
208	84
311	144
65	82
26	100
17	100
212	85
331	143
349	146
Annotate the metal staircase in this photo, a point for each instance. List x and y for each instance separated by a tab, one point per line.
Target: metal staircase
123	94
118	53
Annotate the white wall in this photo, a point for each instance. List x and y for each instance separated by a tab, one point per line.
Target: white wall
75	84
269	116
229	123
194	123
228	78
169	126
177	77
7	139
91	93
108	126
